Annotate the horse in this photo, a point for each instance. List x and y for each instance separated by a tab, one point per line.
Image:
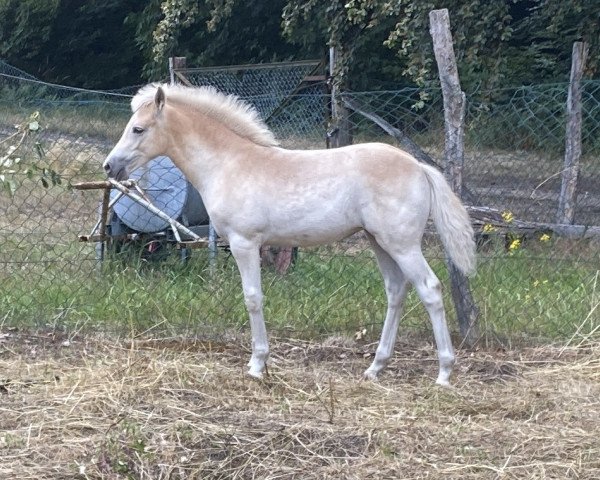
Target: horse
258	193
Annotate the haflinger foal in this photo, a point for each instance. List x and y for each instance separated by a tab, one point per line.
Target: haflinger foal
258	193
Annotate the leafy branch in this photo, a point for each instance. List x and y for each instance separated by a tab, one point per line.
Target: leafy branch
10	162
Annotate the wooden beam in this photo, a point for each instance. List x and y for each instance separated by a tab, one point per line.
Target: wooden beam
404	140
182	78
492	216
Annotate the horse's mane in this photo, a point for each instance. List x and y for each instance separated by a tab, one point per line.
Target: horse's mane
236	114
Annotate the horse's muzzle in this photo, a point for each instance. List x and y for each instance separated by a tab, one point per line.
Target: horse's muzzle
115	170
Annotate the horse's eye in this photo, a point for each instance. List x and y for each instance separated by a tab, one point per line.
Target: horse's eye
138	130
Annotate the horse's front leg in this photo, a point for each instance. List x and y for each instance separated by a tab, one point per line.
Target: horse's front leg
247	257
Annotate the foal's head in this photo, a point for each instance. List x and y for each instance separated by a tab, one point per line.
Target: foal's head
142	139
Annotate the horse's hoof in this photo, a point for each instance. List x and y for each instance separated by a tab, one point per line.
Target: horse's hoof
370	375
443	383
255	373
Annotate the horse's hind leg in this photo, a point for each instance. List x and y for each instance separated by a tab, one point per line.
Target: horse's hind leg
395	289
417	271
247	257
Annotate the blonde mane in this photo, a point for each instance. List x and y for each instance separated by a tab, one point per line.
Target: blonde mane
229	110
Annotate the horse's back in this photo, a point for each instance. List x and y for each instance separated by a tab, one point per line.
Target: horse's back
329	194
374	162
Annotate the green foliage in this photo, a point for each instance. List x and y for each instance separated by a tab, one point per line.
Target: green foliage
356	29
25	30
11	165
543	38
380	43
86	44
143	23
222	32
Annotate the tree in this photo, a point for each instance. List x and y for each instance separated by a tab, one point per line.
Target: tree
345	25
104	44
86	44
544	33
221	32
25	31
481	30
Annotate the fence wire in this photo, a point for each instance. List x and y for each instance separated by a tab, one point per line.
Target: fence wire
530	284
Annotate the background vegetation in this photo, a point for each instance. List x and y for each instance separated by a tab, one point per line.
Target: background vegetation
111	43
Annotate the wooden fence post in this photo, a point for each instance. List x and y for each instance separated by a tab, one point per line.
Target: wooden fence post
341	129
454	115
176	64
568	189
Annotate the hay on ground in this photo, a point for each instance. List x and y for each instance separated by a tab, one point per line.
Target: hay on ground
174	408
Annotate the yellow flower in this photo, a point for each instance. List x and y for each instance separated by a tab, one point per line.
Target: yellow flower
488	228
507	216
514	245
545	237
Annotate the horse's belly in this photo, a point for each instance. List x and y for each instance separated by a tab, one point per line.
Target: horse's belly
305	232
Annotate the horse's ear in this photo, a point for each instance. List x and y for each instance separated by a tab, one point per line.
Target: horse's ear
159	99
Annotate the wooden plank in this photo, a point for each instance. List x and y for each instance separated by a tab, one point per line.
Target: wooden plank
94	185
182	78
253	66
314	78
340	131
491	216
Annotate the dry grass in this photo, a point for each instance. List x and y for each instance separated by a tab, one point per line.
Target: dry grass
152	409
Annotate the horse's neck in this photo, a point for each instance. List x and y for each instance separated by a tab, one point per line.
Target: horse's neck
204	159
205	149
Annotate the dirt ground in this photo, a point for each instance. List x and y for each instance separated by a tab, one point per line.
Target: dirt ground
96	407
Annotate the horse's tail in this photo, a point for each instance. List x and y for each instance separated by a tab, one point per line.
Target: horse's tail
451	221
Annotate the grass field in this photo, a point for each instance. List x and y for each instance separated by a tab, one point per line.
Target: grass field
523	296
92	407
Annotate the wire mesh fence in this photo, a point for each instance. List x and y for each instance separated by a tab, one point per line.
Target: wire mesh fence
531	283
266	86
